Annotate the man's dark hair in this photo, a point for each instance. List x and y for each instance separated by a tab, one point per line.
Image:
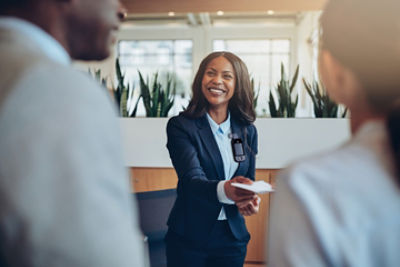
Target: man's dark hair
7	4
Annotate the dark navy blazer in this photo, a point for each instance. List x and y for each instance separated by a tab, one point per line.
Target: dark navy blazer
198	164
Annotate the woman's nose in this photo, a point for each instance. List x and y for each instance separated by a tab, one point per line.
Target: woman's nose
217	79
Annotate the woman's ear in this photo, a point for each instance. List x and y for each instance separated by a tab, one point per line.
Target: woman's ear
328	72
340	82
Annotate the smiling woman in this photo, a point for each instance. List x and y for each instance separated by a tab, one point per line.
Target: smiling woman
206	225
218	84
241	101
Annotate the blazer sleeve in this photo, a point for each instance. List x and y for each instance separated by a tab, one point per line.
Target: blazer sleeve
253	145
184	155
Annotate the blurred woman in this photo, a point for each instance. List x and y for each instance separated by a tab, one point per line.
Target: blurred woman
342	208
206	226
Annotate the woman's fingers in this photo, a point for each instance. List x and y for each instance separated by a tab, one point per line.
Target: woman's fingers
248	208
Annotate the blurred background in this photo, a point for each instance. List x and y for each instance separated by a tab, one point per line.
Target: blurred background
171	37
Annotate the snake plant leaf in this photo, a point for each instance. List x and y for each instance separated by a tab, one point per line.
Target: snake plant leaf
314	98
283	76
124	102
272	106
120	86
145	93
284	89
294	80
96	74
158	99
133	114
118	70
344	113
155	94
323	106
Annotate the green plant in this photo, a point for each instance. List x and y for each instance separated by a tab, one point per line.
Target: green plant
324	107
123	93
287	108
255	93
97	76
157	100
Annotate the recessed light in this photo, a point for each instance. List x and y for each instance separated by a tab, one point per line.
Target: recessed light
270	12
220	13
171	14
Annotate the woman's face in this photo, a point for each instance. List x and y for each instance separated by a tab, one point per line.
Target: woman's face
219	81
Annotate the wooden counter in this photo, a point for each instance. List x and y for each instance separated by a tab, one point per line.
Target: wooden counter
151	179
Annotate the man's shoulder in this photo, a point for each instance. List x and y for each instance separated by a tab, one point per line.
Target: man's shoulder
52	86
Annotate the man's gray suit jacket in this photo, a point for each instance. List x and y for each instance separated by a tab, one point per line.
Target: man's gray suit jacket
64	190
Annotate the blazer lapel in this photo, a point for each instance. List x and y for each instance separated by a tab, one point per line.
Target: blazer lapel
211	146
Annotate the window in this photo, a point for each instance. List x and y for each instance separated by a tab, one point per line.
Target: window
181	48
263	58
161	56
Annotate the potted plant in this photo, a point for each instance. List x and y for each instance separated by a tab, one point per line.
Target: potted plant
123	94
287	107
323	106
157	100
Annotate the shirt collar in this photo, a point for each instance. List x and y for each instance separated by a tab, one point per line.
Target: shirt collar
224	127
45	42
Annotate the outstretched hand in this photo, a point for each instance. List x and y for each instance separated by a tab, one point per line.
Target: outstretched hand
250	207
238	194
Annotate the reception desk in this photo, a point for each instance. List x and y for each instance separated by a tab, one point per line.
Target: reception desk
280	142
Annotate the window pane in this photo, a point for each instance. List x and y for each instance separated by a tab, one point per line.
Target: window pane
183	46
219	45
162	56
243	46
280	46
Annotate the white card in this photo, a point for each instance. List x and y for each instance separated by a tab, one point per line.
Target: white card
259	187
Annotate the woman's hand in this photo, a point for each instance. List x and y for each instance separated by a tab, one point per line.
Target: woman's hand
250	207
237	194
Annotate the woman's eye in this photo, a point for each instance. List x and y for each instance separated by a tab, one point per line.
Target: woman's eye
228	77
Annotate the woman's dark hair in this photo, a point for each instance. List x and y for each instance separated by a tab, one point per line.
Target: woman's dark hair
241	103
364	35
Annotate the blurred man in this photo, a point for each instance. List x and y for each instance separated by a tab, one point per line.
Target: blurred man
64	191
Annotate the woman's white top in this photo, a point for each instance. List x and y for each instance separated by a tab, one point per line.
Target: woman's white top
341	208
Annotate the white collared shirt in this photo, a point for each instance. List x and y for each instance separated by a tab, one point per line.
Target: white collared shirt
46	43
221	134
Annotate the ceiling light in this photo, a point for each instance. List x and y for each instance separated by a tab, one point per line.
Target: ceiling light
171	14
220	13
270	12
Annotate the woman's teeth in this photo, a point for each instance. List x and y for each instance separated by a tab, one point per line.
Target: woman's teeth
216	90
